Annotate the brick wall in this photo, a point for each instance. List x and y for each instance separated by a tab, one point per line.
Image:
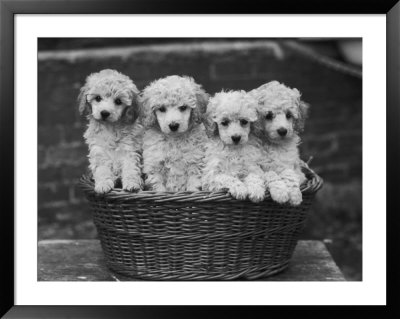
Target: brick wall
333	130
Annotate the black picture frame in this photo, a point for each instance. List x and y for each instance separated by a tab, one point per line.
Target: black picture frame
8	10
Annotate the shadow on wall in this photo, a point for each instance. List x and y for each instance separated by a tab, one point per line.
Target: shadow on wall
332	136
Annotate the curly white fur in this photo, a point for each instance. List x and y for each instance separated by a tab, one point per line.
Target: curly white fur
173	144
232	156
281	119
109	100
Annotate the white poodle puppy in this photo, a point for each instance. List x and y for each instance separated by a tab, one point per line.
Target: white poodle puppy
109	99
173	143
281	119
232	154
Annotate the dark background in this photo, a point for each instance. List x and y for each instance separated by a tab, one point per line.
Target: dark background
318	68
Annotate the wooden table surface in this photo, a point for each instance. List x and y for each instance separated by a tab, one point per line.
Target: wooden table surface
83	260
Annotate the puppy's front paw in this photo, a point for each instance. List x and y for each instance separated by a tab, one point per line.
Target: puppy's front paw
256	194
131	186
279	192
295	197
104	186
238	191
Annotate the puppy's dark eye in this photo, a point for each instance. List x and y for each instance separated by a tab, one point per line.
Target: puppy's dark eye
243	122
118	101
225	122
98	98
162	109
183	108
289	115
269	116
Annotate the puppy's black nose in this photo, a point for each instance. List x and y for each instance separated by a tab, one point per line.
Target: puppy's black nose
173	126
236	138
282	131
104	114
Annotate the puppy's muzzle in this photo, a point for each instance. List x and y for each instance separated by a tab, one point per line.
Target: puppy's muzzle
104	115
173	127
236	138
282	131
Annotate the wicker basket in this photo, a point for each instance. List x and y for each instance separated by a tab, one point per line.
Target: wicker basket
196	236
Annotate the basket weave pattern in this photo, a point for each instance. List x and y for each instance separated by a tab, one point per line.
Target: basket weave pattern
196	236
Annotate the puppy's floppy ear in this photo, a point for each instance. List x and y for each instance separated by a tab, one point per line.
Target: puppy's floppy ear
257	127
302	111
208	117
254	114
132	90
131	111
202	100
210	125
83	104
201	106
146	113
303	114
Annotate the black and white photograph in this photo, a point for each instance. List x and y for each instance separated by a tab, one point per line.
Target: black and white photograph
200	159
161	159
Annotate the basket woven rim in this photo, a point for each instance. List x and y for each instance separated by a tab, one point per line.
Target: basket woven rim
313	184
